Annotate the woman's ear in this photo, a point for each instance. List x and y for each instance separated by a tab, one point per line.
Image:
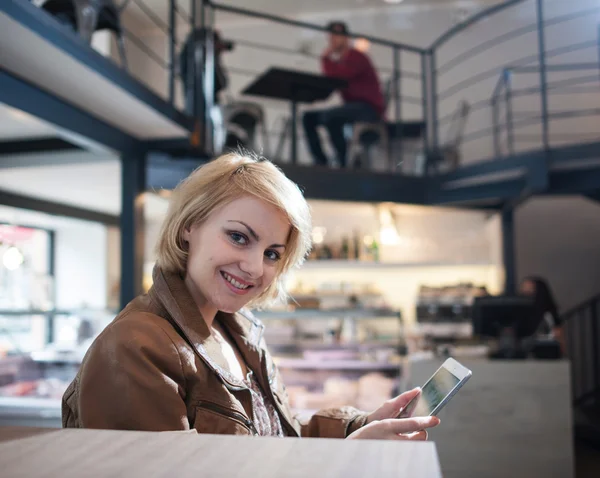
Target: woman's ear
186	235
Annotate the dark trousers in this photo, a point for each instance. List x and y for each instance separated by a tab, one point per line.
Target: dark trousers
334	120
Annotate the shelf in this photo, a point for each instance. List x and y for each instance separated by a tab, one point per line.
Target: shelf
314	345
303	364
351	264
25	312
327	314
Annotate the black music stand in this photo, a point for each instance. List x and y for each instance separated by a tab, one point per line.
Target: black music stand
295	87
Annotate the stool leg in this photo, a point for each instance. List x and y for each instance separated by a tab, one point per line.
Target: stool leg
87	19
121	46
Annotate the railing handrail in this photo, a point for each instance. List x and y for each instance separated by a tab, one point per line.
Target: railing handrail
584	305
310	26
449	34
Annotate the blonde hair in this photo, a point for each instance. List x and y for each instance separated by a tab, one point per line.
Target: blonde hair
217	184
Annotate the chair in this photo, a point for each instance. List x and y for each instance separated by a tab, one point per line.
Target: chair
241	120
366	135
88	16
447	156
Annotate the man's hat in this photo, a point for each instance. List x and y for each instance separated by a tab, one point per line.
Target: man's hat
337	28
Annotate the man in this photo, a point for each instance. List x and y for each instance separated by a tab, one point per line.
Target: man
363	100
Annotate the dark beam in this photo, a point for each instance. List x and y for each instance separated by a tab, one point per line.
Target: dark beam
508	250
594	196
499	191
526	159
36	145
176	148
56	209
22	95
356	185
577	181
315	182
133	180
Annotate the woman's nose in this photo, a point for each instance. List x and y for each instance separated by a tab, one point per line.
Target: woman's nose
252	264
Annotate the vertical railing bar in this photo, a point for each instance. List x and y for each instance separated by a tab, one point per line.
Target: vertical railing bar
172	34
397	85
434	100
510	138
425	101
543	75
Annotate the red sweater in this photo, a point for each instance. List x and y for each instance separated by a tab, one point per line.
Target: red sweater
363	84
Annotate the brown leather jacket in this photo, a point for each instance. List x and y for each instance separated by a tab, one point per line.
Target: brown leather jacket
157	367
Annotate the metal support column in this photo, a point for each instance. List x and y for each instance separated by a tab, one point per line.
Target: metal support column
172	41
397	87
434	101
209	82
508	249
425	100
495	126
543	76
510	134
133	185
52	275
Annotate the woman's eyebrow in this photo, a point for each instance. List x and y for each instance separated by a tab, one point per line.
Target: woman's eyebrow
253	233
250	230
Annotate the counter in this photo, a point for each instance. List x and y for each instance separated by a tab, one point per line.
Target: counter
101	453
512	418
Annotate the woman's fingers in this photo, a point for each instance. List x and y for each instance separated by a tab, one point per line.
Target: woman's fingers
417	436
410	425
402	400
392	407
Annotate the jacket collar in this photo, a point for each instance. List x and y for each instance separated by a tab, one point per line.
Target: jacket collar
170	293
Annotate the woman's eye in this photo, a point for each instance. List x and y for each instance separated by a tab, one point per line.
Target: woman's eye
238	238
272	255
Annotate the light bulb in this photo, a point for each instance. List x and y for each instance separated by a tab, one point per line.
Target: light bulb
12	258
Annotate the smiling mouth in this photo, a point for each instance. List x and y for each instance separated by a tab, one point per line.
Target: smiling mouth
235	283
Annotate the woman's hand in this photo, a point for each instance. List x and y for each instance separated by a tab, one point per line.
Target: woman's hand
382	424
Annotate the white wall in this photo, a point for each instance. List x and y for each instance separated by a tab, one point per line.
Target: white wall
81	258
558	238
81	266
494	59
420	25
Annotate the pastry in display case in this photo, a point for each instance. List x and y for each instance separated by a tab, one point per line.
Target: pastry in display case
336	345
40	353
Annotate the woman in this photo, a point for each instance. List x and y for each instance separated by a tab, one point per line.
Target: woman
188	355
549	323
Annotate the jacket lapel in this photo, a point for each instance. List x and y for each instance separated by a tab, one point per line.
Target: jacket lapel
171	295
169	291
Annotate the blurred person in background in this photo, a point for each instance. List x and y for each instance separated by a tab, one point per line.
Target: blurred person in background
550	325
363	99
221	79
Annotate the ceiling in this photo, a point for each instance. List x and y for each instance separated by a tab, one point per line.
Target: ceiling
318	11
76	178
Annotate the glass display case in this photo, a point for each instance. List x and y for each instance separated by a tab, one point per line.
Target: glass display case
337	356
40	353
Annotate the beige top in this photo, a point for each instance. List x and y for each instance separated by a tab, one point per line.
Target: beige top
266	420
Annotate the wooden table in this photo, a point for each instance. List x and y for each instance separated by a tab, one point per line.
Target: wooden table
106	453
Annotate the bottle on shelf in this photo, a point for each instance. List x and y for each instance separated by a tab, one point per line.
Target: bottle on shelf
375	250
357	246
345	250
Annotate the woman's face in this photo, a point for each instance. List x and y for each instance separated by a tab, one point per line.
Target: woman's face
234	255
527	288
